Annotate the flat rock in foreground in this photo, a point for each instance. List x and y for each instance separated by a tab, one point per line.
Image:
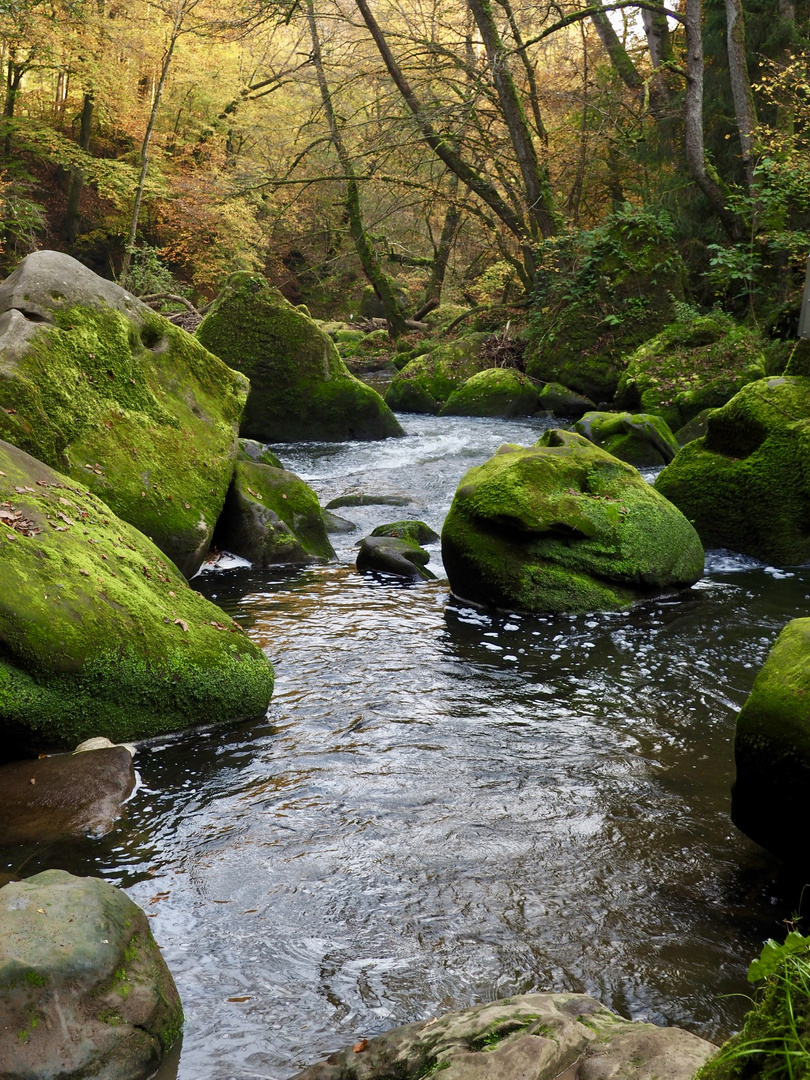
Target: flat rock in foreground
531	1037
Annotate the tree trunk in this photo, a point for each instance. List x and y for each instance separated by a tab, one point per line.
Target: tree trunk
443	148
704	177
441	257
741	86
535	180
619	57
182	9
71	223
369	259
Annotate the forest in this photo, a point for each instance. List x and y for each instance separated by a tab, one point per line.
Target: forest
445	150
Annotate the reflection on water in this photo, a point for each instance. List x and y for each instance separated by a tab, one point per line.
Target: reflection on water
444	807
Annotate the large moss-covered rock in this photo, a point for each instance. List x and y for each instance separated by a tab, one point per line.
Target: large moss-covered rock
397	555
272	516
494	392
527	1037
772	749
563	526
97	385
427	381
558	399
101	633
641	439
84	991
692	365
299	386
627	280
746	484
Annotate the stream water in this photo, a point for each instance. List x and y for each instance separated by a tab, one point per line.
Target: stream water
445	806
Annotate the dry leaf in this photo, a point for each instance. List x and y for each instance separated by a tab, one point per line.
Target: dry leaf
181	623
246	998
359	1047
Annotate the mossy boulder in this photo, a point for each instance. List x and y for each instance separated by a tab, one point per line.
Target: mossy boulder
617	287
746	484
427	381
250	450
272	516
560	400
564	526
537	1036
300	387
400	556
772	749
84	990
417	531
445	314
97	385
638	438
101	633
695	429
494	392
695	364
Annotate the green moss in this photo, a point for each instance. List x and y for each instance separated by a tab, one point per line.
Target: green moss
36	978
416	531
149	429
494	392
692	365
746	483
426	382
300	387
641	439
100	633
502	1029
272	516
563	526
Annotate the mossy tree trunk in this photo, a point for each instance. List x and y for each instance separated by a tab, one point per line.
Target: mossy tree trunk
741	92
71	223
366	252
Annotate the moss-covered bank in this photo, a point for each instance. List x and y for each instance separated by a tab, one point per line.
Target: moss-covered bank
99	633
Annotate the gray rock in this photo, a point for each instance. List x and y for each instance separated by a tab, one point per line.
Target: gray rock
358	499
251	450
393	555
336	524
558	399
86	992
531	1037
64	795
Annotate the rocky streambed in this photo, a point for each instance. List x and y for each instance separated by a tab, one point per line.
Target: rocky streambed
443	806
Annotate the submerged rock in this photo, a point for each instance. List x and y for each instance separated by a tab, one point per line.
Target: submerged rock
65	795
746	484
272	516
772	750
494	392
100	632
394	555
427	381
85	989
641	439
299	386
97	385
694	364
537	1036
564	526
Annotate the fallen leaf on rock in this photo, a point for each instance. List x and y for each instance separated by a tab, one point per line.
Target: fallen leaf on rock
359	1047
245	998
181	623
41	910
85	572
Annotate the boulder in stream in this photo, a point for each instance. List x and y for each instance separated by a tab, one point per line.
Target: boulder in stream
272	516
642	439
746	484
85	991
558	399
78	794
299	386
537	1036
99	386
427	381
101	633
564	526
400	556
772	750
494	392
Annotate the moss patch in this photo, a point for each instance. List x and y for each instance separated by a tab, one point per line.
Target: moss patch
99	633
563	526
692	365
426	382
300	387
746	483
494	392
640	439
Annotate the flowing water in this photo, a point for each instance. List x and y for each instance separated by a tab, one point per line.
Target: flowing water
445	806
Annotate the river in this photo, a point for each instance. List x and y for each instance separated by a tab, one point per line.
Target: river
445	806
